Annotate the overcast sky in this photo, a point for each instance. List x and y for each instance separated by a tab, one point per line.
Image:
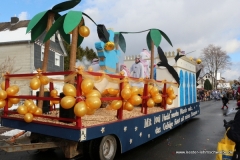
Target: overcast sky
191	25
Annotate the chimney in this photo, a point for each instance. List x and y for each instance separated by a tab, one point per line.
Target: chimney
14	20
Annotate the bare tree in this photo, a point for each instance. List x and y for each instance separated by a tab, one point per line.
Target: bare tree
8	65
214	59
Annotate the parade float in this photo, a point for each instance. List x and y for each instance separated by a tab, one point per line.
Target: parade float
100	112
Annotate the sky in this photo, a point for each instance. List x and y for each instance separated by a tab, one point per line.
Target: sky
190	25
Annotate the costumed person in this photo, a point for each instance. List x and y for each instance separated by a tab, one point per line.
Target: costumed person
123	68
145	60
224	101
95	65
137	71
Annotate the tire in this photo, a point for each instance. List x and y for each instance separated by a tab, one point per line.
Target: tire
103	149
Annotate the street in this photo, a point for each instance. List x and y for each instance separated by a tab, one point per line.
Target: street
199	134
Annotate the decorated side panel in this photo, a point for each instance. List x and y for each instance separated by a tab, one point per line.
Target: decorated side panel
136	131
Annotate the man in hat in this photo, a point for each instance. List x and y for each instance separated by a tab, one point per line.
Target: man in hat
137	69
95	65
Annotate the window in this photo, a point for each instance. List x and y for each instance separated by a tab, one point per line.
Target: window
42	53
57	59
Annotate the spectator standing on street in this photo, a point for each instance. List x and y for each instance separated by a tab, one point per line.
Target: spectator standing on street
224	101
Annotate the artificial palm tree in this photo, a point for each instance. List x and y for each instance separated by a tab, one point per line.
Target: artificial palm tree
42	22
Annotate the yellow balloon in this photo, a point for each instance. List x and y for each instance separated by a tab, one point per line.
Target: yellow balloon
56	101
94	93
51	103
32	108
3	85
126	93
128	106
90	111
84	31
141	91
113	91
87	85
169	101
105	92
93	102
28	103
16	88
150	103
157	98
109	46
135	100
126	85
116	104
199	61
11	91
14	100
28	117
54	93
172	96
170	90
150	88
134	90
3	94
44	80
2	103
80	109
68	102
38	111
22	109
9	104
154	91
35	83
69	90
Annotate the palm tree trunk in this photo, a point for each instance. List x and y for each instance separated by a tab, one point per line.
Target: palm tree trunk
152	60
45	58
73	52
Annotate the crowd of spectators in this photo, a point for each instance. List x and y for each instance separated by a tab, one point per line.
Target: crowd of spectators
218	94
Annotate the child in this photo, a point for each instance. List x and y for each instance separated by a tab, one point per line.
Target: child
225	101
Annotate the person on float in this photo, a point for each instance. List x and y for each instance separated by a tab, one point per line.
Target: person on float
123	68
137	71
95	65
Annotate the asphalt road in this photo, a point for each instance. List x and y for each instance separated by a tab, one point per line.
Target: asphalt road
198	134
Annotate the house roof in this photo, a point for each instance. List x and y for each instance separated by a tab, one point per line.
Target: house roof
15	32
12	27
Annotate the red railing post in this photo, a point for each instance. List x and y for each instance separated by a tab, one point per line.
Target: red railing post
6	106
164	97
120	110
51	88
79	93
145	98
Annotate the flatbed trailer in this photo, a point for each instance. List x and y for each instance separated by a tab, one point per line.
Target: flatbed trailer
100	141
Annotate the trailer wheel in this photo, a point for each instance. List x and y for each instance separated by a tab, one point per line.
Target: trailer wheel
103	149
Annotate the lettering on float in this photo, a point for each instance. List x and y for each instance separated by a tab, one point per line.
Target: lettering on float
167	125
158	130
173	115
194	113
177	121
147	122
165	117
182	119
189	109
183	111
157	119
187	116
